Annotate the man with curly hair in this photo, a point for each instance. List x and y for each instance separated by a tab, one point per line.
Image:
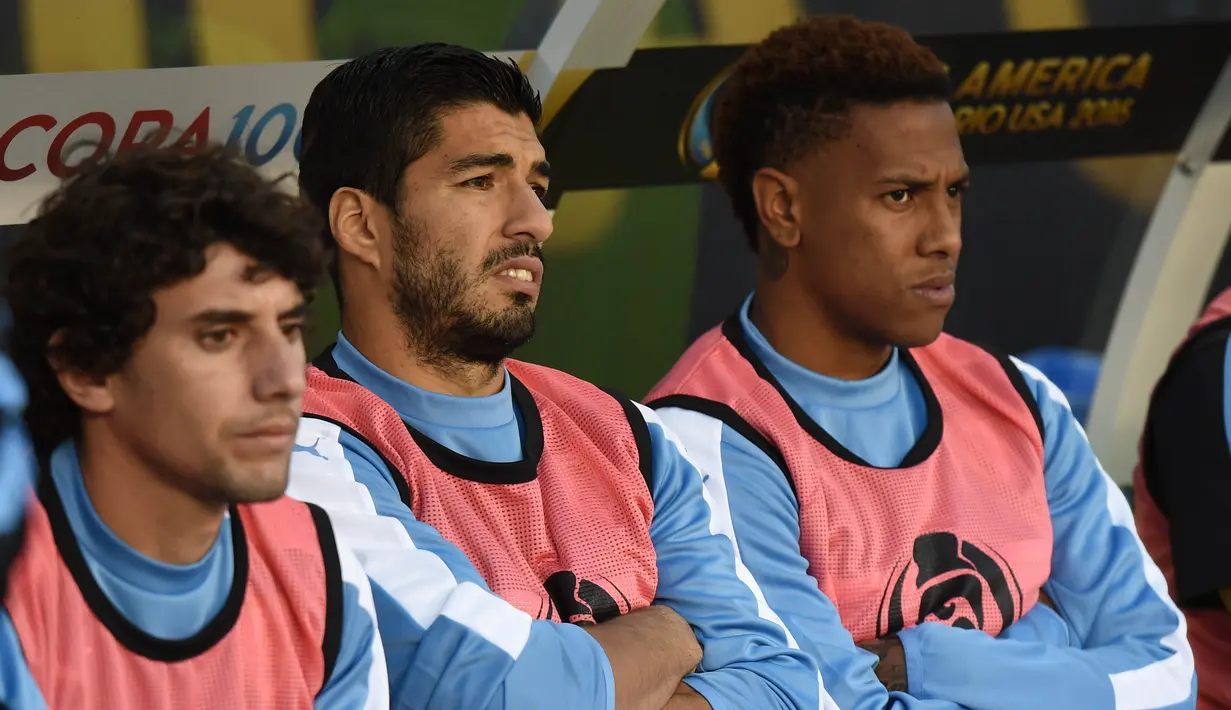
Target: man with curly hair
157	304
573	504
887	482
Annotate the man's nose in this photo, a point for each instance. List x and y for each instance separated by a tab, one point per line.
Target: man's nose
279	371
529	216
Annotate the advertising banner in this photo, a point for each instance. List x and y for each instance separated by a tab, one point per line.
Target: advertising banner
51	122
1019	96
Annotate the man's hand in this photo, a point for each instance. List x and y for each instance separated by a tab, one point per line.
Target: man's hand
650	650
891	670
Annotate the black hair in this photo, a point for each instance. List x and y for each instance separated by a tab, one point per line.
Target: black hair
373	116
83	272
793	91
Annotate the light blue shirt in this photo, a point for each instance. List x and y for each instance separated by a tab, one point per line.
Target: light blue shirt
1122	642
747	660
175	602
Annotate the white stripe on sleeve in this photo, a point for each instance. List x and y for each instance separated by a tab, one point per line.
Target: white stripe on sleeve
704	452
418	579
1161	683
378	672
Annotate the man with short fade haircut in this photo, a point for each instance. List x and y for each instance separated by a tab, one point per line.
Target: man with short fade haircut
157	303
890	484
420	433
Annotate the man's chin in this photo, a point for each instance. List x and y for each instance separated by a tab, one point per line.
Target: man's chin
258	484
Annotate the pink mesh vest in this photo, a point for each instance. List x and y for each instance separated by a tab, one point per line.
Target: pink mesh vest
271	647
960	533
1209	630
563	534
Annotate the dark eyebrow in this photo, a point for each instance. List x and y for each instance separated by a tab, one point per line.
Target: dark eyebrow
473	161
300	311
481	160
221	317
216	316
915	183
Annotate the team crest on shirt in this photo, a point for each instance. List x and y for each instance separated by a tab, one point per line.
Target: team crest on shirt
580	601
950	581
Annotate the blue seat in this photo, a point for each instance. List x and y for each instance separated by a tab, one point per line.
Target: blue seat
1074	371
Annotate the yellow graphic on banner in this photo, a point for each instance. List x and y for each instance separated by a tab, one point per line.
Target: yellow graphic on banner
251	32
1057	83
743	22
83	35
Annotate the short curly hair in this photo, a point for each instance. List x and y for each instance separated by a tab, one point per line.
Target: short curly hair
793	91
119	229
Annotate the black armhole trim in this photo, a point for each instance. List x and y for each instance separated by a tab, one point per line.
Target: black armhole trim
328	365
501	473
1018	380
10	549
927	443
331	642
641	435
399	479
1212	330
458	465
731	418
124	631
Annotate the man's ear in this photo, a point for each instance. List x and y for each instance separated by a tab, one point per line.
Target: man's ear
776	195
353	217
92	393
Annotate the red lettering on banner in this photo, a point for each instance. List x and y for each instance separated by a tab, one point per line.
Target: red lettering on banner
198	133
40	120
55	156
160	117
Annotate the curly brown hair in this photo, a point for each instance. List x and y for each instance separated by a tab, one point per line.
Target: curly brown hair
793	91
119	229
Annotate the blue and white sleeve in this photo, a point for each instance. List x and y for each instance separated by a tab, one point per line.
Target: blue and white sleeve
448	641
1130	647
360	679
18	690
16	465
760	516
748	658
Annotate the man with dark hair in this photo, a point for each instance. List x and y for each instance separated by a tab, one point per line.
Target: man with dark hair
157	303
885	478
573	504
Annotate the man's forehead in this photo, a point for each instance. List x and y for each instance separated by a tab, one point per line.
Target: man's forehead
899	127
230	280
487	129
908	137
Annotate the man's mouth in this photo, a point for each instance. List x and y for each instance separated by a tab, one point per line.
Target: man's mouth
519	274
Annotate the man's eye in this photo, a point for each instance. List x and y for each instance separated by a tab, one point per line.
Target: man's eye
482	182
898	197
216	339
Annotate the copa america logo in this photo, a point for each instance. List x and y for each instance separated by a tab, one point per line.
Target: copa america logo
696	147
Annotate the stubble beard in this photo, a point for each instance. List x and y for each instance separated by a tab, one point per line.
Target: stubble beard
438	305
